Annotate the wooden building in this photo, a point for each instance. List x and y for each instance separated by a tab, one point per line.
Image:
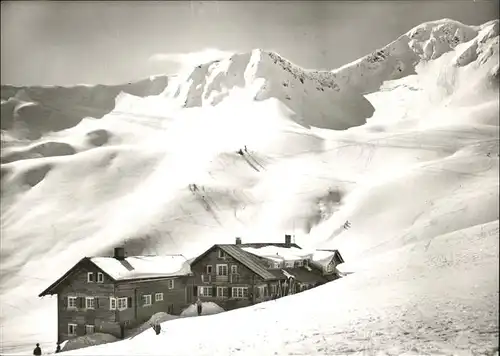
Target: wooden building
113	294
233	277
327	261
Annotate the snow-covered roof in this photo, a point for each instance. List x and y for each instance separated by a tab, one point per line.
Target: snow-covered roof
250	260
281	253
322	256
143	266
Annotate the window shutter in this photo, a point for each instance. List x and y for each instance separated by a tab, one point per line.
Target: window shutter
65	302
195	290
129	302
214	291
230	292
81	302
96	302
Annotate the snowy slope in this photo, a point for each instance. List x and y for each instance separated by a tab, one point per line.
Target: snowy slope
30	112
403	143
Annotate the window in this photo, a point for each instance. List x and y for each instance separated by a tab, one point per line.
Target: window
90	303
234	269
90	277
158	297
263	291
329	267
206	278
208	269
72	329
222	254
100	277
205	291
222	292
112	303
240	292
71	302
170	284
299	263
146	300
89	329
277	265
222	270
122	303
289	264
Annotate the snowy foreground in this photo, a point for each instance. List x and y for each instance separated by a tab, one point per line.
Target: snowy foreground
402	143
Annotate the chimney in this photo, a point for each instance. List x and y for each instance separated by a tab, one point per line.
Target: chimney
238	241
288	240
119	253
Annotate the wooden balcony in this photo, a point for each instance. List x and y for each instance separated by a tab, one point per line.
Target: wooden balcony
221	278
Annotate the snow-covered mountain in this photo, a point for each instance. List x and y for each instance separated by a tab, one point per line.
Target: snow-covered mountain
402	143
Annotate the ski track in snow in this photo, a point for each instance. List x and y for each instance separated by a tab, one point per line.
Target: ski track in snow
407	136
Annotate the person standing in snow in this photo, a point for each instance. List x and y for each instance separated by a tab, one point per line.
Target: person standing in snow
199	306
58	348
156	327
37	351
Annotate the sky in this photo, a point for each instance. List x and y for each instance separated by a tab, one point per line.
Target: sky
113	42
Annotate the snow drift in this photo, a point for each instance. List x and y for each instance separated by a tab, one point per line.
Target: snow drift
208	308
88	340
403	143
157	318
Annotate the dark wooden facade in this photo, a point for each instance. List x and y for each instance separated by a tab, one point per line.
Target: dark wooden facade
76	285
220	278
77	317
175	298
